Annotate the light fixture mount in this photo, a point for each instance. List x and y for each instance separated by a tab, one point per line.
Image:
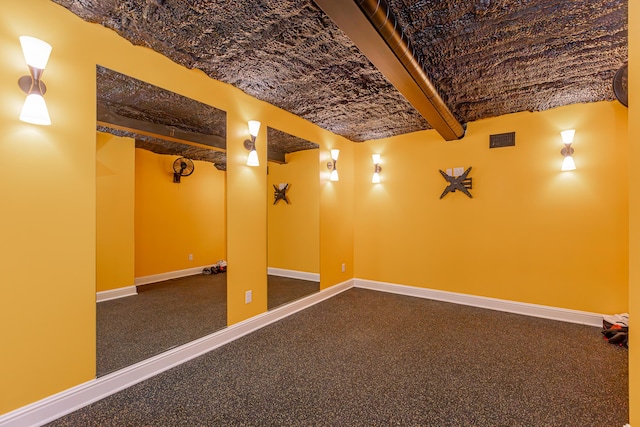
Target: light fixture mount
567	150
27	82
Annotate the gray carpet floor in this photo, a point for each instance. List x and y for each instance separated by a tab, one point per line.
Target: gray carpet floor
282	290
366	358
167	314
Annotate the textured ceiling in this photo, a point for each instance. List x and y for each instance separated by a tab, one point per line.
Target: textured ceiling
485	57
492	57
168	123
160	120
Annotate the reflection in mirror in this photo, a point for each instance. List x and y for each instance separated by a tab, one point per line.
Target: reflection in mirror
155	237
293	234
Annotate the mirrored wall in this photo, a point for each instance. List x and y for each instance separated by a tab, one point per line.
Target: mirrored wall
161	222
293	246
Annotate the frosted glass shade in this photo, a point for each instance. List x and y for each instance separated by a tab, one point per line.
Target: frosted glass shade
567	136
35	110
376	178
334	154
334	175
252	160
568	164
254	127
375	158
36	52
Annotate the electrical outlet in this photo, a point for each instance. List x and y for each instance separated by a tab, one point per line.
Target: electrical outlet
449	171
190	257
344	267
458	171
247	297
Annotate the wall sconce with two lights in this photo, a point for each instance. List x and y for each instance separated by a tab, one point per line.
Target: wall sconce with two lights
375	179
250	144
332	165
36	54
568	164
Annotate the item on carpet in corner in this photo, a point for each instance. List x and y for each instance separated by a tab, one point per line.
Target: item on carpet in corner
218	267
615	329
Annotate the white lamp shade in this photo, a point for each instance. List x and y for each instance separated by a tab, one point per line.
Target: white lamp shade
36	52
254	127
35	110
568	164
252	160
376	159
334	175
567	136
334	154
376	178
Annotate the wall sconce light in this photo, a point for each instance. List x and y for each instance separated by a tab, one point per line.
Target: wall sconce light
254	127
36	54
332	165
376	169
567	137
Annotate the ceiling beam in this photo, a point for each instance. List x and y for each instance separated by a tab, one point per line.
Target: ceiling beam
374	30
108	118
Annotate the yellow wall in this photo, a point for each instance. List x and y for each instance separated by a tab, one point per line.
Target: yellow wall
337	216
48	227
294	228
115	164
173	221
531	233
634	209
49	176
49	182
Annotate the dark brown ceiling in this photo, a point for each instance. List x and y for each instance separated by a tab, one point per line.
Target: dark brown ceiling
160	120
485	57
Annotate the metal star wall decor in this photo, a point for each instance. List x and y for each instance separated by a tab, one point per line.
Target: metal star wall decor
280	193
462	183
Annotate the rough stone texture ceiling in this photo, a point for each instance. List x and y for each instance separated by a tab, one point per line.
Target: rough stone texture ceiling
133	108
119	95
168	123
280	143
491	57
485	57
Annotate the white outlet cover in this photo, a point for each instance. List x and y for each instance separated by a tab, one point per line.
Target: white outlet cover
247	297
458	171
449	172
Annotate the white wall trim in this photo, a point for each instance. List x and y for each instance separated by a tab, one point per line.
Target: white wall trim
145	280
293	274
67	401
535	310
126	291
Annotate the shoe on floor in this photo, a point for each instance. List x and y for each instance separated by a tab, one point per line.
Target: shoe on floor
617	319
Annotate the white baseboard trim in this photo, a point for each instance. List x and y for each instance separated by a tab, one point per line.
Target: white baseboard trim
126	291
293	274
145	280
65	402
546	312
